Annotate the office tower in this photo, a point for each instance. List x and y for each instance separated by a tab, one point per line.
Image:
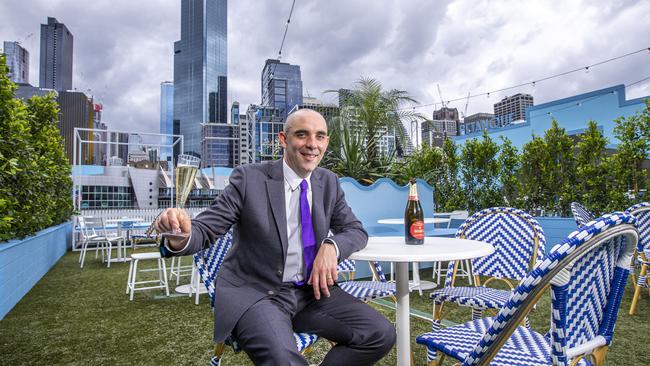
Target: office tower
17	61
56	56
77	110
265	123
166	107
200	70
515	106
166	117
281	86
220	145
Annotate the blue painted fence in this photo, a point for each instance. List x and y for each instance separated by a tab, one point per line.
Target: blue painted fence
24	262
385	199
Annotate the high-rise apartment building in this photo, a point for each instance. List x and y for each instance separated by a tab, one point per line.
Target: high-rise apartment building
281	86
444	123
515	106
17	61
200	70
56	56
245	137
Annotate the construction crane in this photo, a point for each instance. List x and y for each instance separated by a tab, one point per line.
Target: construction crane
444	105
26	38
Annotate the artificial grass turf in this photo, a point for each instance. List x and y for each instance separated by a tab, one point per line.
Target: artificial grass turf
79	316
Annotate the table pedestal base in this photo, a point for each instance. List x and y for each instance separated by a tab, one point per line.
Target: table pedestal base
402	314
185	289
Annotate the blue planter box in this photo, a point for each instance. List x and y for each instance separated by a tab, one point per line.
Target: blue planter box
25	262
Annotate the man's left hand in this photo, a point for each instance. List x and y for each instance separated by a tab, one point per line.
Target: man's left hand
324	272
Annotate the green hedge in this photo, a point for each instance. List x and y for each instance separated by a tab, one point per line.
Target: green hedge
544	177
35	175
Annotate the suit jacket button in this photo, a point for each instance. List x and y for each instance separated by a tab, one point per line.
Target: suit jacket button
279	273
270	292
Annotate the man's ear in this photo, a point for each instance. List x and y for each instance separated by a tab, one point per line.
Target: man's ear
283	139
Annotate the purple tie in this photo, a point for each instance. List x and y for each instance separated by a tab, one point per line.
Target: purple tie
308	237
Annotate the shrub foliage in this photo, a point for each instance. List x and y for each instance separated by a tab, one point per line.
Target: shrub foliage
35	182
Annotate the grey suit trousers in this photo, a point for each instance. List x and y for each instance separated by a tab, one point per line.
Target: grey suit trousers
362	335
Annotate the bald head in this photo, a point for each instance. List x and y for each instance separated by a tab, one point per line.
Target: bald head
304	140
303	114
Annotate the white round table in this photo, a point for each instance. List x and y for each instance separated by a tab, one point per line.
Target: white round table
121	248
417	283
434	249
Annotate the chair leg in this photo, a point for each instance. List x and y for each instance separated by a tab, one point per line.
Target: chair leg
161	261
416	277
197	283
641	282
218	352
468	265
110	249
82	256
476	314
128	281
599	355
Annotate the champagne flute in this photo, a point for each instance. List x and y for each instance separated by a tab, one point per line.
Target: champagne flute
186	169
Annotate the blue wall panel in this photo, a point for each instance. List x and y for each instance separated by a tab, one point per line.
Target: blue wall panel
24	262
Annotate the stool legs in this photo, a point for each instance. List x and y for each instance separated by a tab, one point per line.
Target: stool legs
132	282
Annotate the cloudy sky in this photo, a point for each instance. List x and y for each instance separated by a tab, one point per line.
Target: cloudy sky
124	49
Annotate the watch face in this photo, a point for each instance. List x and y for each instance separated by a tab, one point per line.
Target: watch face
175	236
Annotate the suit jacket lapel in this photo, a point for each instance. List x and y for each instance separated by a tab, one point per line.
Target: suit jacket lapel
317	209
275	191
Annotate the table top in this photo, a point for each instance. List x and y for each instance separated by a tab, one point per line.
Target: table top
434	249
126	219
427	220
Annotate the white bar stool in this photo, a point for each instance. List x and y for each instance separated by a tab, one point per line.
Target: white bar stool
131	285
177	270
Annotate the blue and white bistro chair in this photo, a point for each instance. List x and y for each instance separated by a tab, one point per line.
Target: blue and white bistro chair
208	262
641	259
368	290
581	214
518	242
587	273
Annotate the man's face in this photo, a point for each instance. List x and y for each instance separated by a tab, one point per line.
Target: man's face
304	141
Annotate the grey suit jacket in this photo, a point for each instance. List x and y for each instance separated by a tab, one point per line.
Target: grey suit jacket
254	205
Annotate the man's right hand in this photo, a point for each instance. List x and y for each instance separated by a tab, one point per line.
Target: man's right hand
176	221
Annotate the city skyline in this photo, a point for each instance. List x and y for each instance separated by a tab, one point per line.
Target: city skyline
123	51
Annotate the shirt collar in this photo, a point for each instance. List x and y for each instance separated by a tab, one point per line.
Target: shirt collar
293	179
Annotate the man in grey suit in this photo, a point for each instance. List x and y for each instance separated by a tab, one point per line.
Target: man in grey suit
291	226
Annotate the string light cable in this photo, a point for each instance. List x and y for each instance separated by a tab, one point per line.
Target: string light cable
534	82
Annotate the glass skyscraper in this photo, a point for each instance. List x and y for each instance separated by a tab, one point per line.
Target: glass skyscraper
281	86
200	69
166	115
56	56
166	107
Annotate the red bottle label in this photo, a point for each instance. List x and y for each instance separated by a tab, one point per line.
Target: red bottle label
417	229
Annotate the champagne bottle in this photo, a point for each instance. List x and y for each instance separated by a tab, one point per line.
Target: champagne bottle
413	217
